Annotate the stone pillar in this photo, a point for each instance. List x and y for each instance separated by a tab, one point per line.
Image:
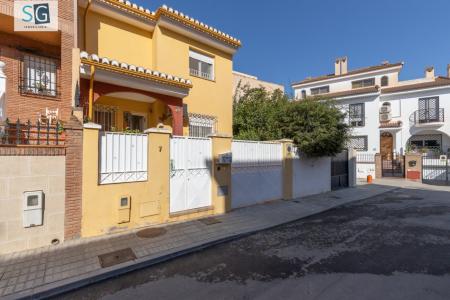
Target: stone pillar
159	175
221	174
413	166
352	172
288	169
378	166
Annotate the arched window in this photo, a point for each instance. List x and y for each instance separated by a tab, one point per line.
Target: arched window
303	94
388	104
384	81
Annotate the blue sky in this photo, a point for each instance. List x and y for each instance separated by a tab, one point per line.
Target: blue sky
288	40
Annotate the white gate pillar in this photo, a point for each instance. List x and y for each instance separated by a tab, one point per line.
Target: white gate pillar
2	92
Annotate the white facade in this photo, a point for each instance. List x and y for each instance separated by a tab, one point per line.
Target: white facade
427	125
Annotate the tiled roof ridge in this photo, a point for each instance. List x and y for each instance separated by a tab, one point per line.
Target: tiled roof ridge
351	72
176	15
139	71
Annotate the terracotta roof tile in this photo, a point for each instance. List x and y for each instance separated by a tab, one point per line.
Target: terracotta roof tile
439	81
353	72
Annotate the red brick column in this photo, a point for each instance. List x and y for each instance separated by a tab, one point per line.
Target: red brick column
74	157
177	118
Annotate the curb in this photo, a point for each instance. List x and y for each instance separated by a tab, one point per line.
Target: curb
77	282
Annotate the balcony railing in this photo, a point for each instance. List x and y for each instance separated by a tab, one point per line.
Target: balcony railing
198	73
39	134
427	116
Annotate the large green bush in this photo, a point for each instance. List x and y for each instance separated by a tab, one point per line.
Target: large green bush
317	126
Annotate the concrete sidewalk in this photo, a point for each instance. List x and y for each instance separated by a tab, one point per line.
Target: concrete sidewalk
52	270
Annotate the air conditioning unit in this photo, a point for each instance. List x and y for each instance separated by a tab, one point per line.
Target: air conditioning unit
385	117
385	109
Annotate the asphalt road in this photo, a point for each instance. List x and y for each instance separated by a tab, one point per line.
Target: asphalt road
393	246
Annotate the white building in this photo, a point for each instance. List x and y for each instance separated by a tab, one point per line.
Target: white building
387	115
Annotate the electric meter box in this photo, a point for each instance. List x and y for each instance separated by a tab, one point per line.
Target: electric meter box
225	158
33	209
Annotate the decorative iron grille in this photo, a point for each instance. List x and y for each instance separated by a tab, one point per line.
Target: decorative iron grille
356	115
426	143
38	134
106	116
358	143
201	125
38	76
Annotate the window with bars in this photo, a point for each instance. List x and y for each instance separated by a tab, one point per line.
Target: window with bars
201	65
356	114
426	141
358	143
201	125
363	83
320	90
39	76
106	116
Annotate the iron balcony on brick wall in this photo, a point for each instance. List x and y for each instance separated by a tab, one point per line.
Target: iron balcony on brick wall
424	117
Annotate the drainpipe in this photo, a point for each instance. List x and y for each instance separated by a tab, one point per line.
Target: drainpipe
91	95
91	81
2	93
85	23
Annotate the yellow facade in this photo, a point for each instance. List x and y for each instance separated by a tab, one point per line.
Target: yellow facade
117	36
165	51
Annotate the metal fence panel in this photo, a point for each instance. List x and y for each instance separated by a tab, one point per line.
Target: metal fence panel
123	157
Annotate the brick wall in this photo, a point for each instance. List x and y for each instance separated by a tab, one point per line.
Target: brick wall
74	156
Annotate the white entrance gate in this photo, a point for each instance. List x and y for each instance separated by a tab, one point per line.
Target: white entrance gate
190	173
257	172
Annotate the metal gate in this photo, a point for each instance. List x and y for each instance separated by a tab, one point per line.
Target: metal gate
257	172
393	165
436	170
190	173
339	170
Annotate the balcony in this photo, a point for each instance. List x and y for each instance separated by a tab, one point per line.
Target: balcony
427	117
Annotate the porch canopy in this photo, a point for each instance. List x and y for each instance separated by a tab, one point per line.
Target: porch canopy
105	78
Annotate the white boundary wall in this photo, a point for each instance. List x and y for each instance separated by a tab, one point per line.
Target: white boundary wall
365	165
311	176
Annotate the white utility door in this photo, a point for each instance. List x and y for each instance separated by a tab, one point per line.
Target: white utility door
190	173
257	172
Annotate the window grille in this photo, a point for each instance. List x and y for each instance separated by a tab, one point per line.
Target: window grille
39	76
358	143
356	115
201	125
106	116
426	141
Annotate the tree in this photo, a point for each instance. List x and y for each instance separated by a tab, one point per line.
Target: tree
257	113
317	127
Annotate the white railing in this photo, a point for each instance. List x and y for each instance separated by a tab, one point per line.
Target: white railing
2	92
197	73
256	154
123	157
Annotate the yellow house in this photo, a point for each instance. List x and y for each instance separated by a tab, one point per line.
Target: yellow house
142	69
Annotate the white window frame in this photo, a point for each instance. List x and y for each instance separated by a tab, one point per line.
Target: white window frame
201	58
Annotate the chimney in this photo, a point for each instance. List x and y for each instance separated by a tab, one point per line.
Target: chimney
337	66
448	70
341	66
429	73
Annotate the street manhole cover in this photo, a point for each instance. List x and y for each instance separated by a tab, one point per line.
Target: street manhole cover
116	257
210	221
151	233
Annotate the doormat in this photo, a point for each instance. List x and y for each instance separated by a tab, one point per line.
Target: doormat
151	232
210	221
116	257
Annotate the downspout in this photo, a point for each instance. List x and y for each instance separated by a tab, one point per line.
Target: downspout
91	95
92	73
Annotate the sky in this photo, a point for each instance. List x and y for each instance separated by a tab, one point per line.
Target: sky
288	40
